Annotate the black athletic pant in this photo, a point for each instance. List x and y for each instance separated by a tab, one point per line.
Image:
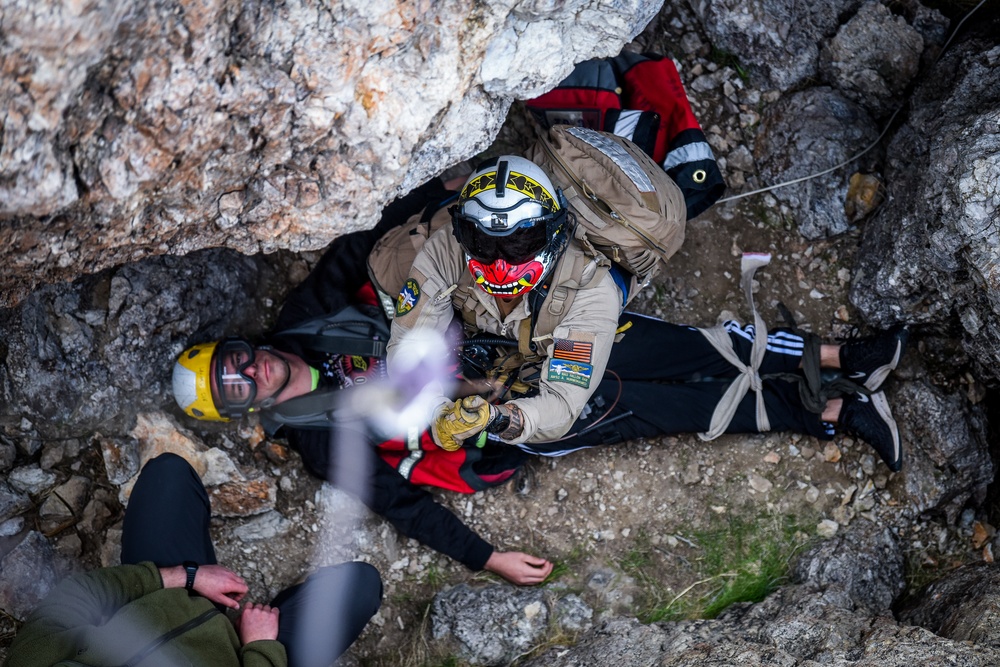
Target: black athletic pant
168	516
167	522
666	379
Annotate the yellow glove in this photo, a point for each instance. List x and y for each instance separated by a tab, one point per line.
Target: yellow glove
459	420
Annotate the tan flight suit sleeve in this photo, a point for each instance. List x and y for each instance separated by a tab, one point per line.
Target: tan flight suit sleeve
425	298
567	383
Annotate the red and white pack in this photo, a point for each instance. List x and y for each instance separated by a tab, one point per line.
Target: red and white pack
639	97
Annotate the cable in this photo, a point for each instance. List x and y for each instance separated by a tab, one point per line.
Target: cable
602	417
870	146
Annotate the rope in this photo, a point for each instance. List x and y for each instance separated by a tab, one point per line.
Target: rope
870	146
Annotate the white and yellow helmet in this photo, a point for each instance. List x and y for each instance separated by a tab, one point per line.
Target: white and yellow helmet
193	384
512	223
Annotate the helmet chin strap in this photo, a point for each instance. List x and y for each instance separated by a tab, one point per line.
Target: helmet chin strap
273	398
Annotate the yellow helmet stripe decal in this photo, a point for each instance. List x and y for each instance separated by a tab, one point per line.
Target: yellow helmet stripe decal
515	181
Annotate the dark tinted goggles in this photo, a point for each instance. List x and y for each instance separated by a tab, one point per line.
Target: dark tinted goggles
517	247
236	391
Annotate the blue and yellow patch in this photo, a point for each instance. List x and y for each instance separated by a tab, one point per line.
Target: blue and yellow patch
571	372
408	297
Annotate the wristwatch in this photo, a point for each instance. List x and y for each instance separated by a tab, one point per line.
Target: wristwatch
192	569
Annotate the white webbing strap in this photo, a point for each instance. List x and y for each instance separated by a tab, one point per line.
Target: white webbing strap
748	378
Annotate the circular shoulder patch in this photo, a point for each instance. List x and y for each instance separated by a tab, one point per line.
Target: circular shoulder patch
408	297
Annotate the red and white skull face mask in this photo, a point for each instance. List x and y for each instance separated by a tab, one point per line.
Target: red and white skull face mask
505	280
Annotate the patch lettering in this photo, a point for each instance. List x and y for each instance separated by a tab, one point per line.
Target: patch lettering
408	297
571	372
349	371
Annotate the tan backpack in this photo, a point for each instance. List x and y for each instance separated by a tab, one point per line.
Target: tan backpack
628	208
392	256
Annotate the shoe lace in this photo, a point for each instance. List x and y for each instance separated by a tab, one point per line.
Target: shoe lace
850	333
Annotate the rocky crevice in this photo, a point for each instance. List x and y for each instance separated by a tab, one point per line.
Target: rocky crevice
251	127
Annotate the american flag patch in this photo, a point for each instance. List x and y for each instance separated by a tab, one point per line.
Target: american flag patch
572	350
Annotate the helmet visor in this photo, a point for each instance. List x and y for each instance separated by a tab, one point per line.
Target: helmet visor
236	391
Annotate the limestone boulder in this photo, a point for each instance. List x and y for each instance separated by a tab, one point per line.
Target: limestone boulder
930	255
962	605
873	58
776	40
807	133
493	625
149	127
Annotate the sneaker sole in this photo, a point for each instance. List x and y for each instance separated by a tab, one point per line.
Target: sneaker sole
882	407
879	375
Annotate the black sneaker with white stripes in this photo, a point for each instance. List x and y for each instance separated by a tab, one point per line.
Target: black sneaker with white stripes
869	360
869	418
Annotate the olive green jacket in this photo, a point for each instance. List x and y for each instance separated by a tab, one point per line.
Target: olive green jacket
111	616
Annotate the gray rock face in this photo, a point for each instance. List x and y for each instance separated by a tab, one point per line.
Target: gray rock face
8	454
873	58
930	23
807	133
87	356
836	614
864	564
12	502
27	575
136	129
778	40
930	254
495	624
699	644
963	606
947	460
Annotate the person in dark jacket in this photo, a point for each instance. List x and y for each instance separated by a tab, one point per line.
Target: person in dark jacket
162	605
282	370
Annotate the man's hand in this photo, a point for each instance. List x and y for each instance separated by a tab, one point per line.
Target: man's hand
213	582
459	420
519	568
257	622
220	585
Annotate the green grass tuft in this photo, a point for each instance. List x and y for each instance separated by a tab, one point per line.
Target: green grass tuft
754	558
566	565
724	58
741	560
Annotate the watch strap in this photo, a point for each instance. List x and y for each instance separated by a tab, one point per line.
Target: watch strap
191	568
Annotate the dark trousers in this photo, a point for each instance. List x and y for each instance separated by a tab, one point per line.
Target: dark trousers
666	379
167	522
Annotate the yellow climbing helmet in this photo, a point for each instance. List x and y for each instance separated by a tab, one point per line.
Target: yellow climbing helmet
193	384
